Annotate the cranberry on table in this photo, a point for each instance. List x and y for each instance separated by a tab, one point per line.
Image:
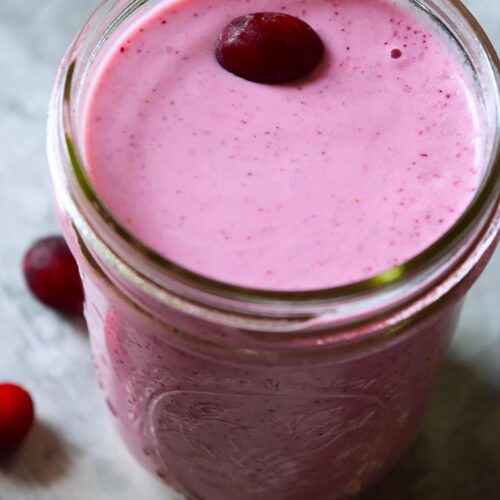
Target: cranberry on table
52	275
269	47
17	414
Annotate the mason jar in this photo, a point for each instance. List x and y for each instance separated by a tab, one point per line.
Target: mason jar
229	393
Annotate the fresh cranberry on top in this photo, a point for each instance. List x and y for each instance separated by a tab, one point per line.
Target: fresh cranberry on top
269	47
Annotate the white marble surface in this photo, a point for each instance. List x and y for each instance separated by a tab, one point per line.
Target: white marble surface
74	453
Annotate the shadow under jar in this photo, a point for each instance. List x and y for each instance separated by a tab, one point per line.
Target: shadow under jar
232	393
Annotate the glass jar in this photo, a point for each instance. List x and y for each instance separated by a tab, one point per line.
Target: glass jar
233	393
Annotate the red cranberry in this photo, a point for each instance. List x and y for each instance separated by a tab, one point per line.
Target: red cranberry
17	414
396	53
52	275
269	47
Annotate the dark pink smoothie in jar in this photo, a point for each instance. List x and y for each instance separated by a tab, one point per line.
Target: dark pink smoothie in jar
231	201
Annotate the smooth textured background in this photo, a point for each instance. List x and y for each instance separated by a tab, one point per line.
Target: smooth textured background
74	453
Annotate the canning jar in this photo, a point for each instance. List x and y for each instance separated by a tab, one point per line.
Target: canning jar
232	393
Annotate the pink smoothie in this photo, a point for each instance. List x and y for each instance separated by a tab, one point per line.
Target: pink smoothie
313	184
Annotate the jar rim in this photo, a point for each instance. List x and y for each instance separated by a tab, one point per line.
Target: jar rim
485	204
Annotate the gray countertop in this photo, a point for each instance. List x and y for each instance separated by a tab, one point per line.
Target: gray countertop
74	453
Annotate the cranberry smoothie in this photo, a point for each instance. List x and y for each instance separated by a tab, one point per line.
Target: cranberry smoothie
312	184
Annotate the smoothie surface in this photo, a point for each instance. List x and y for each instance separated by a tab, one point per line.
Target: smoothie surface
313	184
